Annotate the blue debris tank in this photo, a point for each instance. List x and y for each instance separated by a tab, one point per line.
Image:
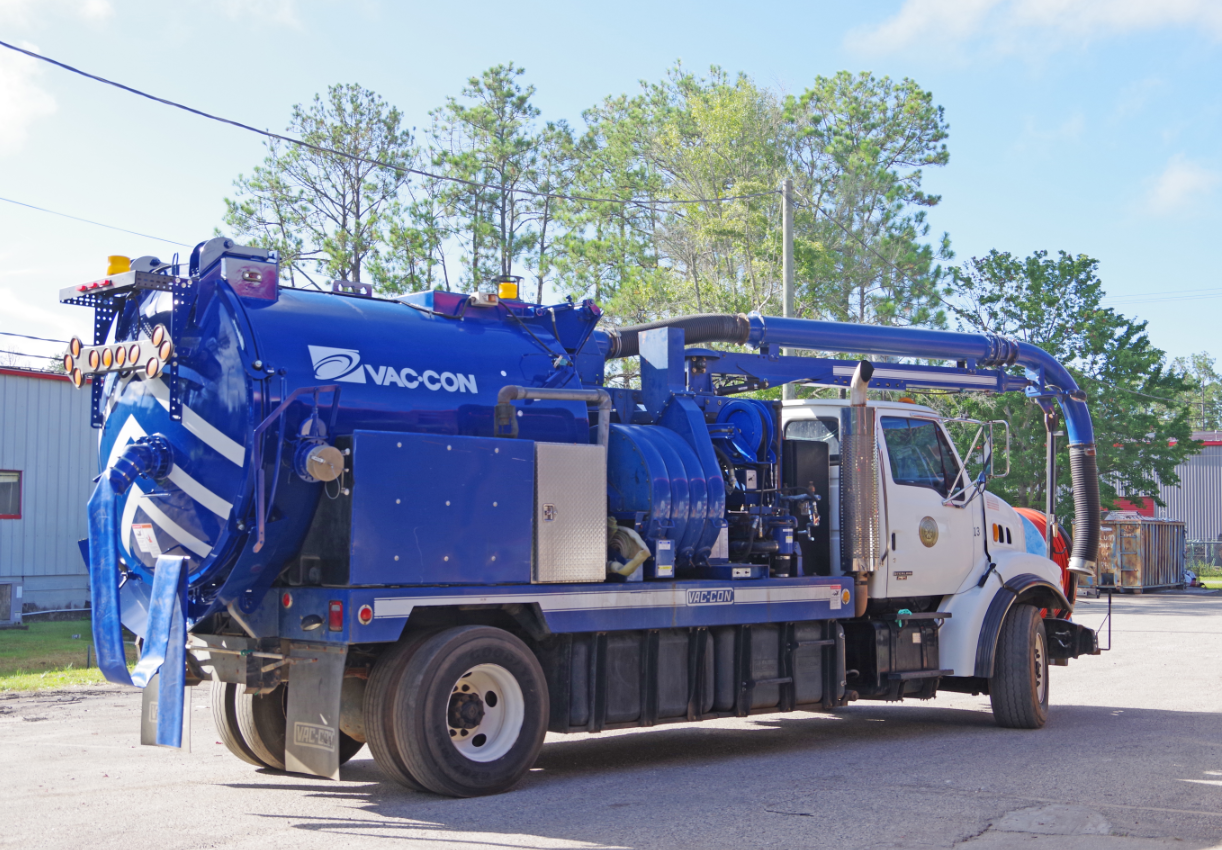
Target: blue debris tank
265	373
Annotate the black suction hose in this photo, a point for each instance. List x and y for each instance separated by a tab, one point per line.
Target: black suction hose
705	327
1085	476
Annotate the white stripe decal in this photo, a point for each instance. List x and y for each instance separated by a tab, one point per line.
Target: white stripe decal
172	528
130	432
200	427
600	600
200	493
919	378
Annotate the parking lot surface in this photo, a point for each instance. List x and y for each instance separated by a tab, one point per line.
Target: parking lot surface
1131	758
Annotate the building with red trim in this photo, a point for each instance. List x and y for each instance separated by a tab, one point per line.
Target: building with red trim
48	460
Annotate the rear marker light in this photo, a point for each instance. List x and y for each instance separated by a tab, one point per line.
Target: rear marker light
153	367
165	350
133	353
78	379
158	334
335	615
365	615
287	600
74	346
120	355
69	363
95	359
108	357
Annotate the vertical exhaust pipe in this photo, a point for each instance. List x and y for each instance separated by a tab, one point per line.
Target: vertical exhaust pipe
860	527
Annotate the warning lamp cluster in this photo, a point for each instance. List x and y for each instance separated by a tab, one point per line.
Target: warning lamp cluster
144	357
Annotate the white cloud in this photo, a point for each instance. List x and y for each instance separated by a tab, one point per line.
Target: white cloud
26	12
947	24
1181	186
282	12
1038	137
22	100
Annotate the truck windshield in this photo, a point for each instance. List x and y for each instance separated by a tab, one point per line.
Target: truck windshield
920	454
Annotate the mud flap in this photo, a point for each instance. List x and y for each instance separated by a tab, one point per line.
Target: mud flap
163	663
152	716
312	739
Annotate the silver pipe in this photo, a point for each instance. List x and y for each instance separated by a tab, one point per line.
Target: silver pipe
600	397
859	508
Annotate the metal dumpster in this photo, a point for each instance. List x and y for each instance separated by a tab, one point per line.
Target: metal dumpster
1139	553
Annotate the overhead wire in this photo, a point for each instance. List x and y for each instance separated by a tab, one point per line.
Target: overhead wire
90	221
475	184
38	338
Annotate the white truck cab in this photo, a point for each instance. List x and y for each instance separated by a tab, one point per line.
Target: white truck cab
945	540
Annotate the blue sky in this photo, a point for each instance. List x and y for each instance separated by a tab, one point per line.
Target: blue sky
1091	126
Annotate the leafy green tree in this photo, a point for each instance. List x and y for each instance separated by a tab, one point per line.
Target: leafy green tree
857	147
486	141
1205	397
1141	429
321	209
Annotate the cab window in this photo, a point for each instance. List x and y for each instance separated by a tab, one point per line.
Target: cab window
823	430
920	454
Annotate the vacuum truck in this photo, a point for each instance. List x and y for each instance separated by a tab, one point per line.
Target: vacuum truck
425	523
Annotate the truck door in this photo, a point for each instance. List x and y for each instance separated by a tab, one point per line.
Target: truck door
932	545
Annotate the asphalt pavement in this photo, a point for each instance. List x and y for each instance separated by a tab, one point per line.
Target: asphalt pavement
1130	759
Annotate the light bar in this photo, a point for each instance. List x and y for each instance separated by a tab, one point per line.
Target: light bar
81	361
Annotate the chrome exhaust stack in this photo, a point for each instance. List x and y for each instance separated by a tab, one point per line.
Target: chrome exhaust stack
860	522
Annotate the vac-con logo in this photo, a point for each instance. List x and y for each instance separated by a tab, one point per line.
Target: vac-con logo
718	596
344	364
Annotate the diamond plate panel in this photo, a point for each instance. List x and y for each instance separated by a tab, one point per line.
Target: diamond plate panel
570	513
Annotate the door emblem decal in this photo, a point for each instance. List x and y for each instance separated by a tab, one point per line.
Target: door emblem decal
929	531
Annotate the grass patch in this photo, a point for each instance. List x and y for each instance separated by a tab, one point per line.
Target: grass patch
1212	582
47	656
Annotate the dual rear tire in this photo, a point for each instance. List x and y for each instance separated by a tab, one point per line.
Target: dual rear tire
254	727
460	712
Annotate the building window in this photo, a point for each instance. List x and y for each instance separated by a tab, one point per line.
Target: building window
10	494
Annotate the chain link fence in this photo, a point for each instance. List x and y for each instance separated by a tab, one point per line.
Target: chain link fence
1204	557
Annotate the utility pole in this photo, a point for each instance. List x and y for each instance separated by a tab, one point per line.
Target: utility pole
789	391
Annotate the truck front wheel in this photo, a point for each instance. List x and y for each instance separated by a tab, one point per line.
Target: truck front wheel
470	712
1018	689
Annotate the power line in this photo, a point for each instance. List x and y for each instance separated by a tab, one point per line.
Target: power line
475	184
31	356
88	221
39	338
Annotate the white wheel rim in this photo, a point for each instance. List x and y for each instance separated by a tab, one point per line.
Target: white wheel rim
503	706
1041	670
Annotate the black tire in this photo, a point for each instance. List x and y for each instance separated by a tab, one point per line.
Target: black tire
1018	690
225	718
432	699
263	721
384	681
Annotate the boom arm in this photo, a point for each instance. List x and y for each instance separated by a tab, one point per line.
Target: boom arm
1046	379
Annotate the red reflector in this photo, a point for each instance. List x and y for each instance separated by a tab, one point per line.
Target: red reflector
82	287
106	282
93	285
335	615
365	615
287	600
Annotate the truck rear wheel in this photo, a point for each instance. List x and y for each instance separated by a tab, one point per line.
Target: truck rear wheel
263	721
225	718
470	711
1018	689
379	709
